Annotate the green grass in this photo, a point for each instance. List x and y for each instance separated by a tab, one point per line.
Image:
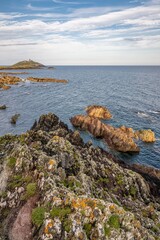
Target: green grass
88	228
11	162
38	216
60	212
114	221
31	189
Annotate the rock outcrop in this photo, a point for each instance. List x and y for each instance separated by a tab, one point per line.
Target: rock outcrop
6	80
98	112
14	118
3	107
116	138
146	135
57	187
35	79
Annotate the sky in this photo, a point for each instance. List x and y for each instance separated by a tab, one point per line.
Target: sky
80	32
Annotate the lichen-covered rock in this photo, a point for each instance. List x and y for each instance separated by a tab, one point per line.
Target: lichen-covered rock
98	112
57	187
146	135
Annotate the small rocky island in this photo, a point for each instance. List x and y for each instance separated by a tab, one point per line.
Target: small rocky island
26	64
54	186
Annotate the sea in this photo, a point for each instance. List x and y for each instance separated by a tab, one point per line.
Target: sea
131	93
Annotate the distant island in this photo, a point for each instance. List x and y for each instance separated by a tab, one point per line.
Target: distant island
26	64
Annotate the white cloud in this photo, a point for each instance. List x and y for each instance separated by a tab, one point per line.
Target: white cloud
103	34
66	2
32	8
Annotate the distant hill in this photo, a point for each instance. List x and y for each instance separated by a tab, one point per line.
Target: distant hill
26	64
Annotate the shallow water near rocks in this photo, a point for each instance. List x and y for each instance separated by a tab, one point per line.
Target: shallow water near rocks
130	93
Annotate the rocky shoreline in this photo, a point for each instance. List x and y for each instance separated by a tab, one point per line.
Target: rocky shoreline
6	81
54	186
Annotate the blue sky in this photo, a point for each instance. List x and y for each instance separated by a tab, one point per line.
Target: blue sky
84	32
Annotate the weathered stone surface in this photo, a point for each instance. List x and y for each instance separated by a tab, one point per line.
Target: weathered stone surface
9	80
83	192
115	137
6	80
22	226
36	79
98	112
146	135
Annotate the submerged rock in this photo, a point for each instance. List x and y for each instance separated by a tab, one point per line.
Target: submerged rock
57	187
98	112
115	137
4	87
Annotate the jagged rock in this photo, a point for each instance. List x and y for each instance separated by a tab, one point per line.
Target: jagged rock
14	118
3	107
82	192
9	80
115	137
98	112
146	135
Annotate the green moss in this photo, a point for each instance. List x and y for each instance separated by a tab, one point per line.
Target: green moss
119	179
116	201
11	162
107	231
103	180
133	191
114	221
16	181
31	189
60	212
101	206
67	224
88	228
38	216
72	184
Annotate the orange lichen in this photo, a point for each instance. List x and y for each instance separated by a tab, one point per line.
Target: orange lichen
83	203
48	226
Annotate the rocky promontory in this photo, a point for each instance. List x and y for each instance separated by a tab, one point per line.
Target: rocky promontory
54	186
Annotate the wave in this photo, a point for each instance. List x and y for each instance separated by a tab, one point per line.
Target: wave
143	114
155	112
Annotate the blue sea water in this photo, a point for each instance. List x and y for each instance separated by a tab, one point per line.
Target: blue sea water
132	95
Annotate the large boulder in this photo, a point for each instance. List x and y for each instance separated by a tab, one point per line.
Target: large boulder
98	112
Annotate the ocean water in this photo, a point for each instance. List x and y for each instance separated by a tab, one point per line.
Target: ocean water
132	94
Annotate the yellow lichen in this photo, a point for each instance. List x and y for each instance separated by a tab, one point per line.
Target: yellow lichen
51	164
